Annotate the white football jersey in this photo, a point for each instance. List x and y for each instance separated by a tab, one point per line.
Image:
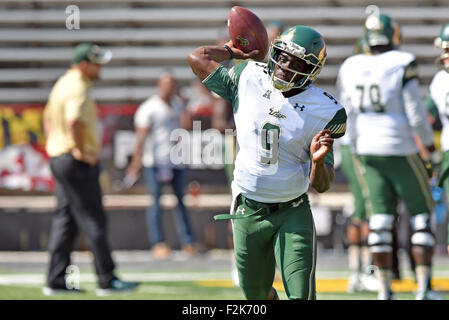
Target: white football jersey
274	133
373	88
161	118
439	91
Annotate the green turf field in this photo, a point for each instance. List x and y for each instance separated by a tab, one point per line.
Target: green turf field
167	286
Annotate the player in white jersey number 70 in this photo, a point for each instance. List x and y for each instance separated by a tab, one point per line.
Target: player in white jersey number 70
285	131
382	92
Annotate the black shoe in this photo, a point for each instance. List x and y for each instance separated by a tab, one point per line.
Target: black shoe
51	291
117	286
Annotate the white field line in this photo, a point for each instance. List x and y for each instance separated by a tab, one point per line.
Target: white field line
178	290
39	279
321	275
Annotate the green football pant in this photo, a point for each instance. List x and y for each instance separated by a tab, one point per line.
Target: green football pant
390	177
285	237
351	170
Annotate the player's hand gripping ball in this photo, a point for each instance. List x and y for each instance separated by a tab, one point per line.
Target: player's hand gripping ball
247	32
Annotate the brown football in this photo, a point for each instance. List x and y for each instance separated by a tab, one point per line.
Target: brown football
247	31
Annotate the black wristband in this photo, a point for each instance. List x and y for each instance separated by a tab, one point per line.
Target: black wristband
230	51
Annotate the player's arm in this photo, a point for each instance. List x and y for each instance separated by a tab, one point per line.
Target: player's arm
416	112
75	121
142	126
76	128
414	107
432	109
321	174
136	161
206	59
322	171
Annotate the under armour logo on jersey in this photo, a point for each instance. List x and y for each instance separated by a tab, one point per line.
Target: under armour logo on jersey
301	108
267	94
297	203
277	114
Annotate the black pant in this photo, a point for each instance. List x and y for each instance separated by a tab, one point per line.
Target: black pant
79	206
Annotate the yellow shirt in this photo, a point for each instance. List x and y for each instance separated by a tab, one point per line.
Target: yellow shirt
70	100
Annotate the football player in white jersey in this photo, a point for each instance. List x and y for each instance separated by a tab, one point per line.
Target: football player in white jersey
359	257
285	131
383	91
438	100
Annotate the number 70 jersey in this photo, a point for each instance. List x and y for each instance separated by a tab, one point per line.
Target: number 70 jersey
274	133
371	86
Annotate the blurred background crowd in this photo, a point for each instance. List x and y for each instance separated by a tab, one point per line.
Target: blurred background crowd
149	39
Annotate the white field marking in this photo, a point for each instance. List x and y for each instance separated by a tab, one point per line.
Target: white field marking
178	290
39	279
22	279
339	274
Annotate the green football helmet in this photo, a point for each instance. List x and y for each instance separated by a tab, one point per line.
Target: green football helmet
442	42
304	43
382	30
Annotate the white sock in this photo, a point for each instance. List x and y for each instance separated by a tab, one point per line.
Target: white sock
422	276
365	258
354	258
385	276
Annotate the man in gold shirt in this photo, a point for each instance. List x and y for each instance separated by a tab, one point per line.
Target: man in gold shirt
73	144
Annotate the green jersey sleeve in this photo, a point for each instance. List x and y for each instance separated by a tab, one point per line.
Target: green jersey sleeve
337	125
225	83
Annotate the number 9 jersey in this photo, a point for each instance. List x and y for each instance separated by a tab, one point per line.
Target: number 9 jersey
274	133
383	91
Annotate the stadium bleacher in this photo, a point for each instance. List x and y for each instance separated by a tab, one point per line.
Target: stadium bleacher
149	36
